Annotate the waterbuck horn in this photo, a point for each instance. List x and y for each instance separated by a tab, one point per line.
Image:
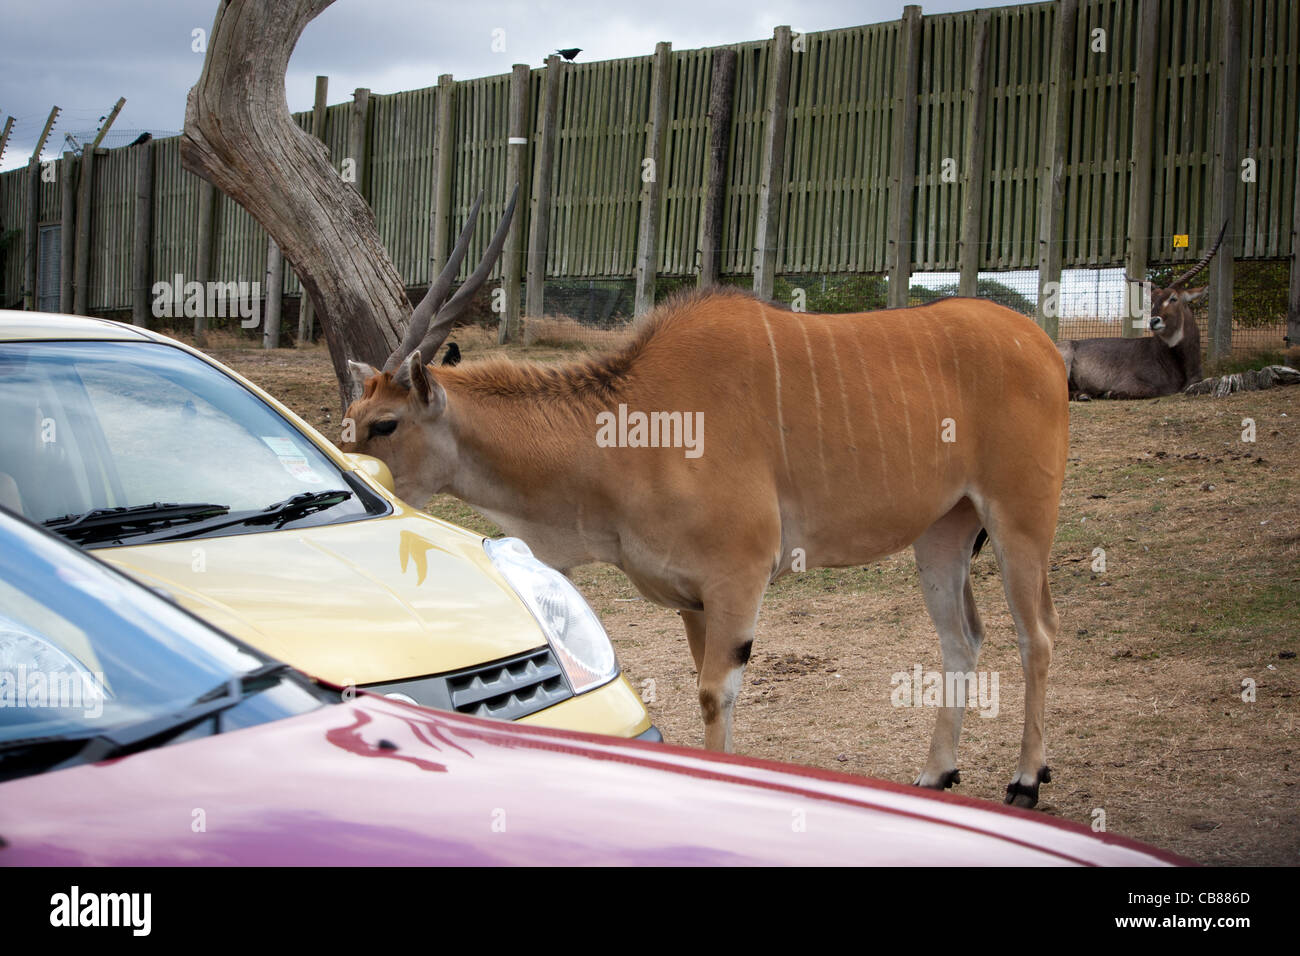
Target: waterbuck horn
1202	263
419	332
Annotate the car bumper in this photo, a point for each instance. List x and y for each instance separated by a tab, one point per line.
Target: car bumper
613	709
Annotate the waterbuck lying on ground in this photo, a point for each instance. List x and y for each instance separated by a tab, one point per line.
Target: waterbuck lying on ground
1147	367
832	439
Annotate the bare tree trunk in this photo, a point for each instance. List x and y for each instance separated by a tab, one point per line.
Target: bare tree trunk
239	136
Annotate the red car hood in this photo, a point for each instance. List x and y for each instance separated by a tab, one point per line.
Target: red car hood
374	781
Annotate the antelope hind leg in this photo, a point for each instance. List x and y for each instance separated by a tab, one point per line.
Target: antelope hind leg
943	557
1024	579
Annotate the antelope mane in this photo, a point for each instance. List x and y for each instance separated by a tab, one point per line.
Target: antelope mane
586	384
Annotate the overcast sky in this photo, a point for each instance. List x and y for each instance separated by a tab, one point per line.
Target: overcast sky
83	54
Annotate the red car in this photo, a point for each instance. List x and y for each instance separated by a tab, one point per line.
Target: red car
184	746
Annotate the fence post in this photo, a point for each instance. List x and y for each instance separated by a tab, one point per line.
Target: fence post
772	182
31	229
67	229
721	106
141	264
85	192
1293	300
443	152
319	115
207	202
647	239
33	218
274	293
517	166
1226	171
1051	181
358	140
539	223
973	162
903	178
1139	195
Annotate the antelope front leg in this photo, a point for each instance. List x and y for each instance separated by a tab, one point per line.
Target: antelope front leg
728	640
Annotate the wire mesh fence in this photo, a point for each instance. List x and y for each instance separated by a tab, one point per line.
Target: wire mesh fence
596	313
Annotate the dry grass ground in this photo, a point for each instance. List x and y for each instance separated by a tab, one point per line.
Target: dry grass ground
1146	717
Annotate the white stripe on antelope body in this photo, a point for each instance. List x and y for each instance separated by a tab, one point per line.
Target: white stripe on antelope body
849	437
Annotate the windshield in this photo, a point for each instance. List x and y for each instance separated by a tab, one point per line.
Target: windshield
85	651
90	426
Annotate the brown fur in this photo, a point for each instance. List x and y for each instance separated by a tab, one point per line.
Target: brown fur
821	433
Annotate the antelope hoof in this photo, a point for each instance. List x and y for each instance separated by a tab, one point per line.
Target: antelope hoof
1026	794
945	782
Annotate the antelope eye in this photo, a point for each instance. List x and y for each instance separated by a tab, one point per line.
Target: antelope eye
386	427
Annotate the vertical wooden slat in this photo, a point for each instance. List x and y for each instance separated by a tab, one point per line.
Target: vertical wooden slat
539	226
772	178
31	229
141	256
444	153
1224	177
721	103
973	157
902	181
81	284
358	140
67	229
1052	172
510	328
319	113
203	272
274	288
648	232
1293	298
1139	196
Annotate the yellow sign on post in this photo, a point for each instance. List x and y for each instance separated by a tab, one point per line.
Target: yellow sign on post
1180	242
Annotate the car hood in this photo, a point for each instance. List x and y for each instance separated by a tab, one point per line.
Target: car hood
354	603
374	781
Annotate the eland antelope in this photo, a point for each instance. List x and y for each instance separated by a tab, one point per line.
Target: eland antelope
842	438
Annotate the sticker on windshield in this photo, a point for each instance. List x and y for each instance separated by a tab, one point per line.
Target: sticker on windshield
292	459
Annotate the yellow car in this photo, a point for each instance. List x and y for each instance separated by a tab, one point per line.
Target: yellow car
201	485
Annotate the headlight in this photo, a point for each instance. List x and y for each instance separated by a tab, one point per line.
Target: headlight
572	628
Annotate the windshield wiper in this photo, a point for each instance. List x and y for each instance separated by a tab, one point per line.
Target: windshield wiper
109	523
280	513
298	506
65	750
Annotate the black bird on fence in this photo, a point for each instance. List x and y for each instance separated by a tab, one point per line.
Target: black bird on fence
142	138
570	53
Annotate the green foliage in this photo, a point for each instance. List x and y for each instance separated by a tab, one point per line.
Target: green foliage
839	293
984	289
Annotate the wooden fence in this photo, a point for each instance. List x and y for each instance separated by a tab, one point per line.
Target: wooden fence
1045	136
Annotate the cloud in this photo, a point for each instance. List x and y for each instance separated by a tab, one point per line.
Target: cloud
83	56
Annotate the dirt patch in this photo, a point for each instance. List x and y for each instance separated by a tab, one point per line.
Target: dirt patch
1148	722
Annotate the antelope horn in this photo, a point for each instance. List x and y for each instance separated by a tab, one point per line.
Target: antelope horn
419	323
1202	263
448	314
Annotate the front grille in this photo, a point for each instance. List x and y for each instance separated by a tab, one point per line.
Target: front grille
506	689
510	689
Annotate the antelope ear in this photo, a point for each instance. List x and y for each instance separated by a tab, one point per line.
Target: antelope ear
1191	295
361	373
428	391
